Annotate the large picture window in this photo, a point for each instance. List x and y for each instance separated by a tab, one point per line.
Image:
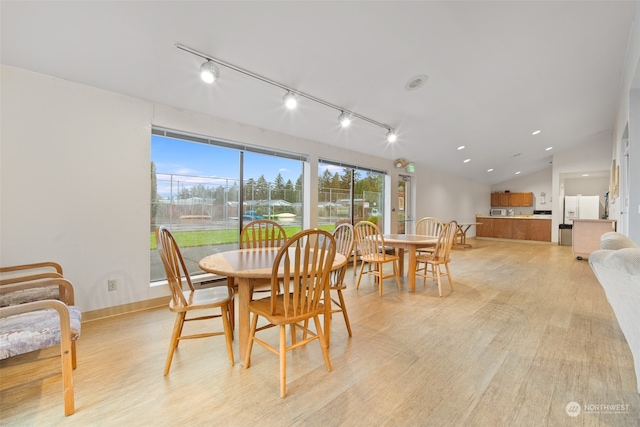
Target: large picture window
204	190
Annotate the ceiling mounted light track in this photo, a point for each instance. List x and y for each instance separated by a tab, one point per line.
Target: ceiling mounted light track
209	72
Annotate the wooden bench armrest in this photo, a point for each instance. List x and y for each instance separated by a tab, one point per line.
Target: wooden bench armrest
65	287
33	266
18	279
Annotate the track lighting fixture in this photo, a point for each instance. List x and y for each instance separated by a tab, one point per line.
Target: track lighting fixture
392	136
344	119
290	100
209	72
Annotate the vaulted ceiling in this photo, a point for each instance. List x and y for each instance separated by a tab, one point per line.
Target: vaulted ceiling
497	70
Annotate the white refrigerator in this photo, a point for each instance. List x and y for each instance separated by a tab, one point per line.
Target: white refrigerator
581	207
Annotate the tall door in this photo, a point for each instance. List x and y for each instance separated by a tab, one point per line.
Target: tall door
405	220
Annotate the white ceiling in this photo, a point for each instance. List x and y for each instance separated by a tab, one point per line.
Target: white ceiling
497	70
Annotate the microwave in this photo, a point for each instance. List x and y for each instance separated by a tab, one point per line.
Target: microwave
498	212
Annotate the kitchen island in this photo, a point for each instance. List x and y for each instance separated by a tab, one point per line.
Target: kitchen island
517	227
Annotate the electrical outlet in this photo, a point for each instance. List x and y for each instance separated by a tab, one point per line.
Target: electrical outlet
112	285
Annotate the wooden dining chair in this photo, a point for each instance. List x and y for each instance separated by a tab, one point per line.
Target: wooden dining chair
262	233
191	299
433	262
373	253
304	263
344	236
428	226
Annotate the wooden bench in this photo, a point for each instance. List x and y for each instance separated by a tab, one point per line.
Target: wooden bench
29	322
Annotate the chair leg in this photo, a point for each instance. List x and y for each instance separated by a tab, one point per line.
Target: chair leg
449	276
232	305
396	271
360	275
252	333
283	361
343	308
379	269
323	343
74	362
437	272
293	332
228	334
175	336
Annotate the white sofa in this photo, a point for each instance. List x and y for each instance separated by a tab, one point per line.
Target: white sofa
617	267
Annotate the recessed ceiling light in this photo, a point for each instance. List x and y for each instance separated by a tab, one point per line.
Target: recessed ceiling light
467	160
585	174
461	147
490	170
416	81
518	173
548	148
535	132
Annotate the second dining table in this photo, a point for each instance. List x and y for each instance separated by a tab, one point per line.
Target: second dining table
410	243
250	266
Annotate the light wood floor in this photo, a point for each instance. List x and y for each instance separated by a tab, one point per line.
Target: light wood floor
527	330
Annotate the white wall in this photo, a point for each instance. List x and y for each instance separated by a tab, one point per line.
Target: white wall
74	181
628	114
537	183
449	198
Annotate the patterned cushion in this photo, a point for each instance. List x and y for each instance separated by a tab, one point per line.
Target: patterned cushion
29	295
34	330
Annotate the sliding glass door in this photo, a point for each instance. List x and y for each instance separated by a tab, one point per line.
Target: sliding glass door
349	194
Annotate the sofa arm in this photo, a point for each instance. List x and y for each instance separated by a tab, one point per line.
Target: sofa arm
615	240
618	271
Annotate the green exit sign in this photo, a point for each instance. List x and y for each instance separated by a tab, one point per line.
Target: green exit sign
411	168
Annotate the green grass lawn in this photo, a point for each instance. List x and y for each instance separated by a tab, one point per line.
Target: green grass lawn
217	237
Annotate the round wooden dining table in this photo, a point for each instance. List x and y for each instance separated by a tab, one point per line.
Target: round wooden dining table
250	266
410	243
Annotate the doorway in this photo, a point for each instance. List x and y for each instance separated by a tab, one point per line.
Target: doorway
405	218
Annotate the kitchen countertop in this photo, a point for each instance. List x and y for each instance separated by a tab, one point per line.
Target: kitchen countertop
547	217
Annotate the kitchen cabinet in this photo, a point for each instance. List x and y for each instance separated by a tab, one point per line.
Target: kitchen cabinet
537	229
511	199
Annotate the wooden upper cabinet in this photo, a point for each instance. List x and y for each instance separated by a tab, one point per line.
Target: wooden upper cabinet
516	199
527	199
511	199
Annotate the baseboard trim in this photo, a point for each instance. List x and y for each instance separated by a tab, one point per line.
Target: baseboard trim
497	239
124	308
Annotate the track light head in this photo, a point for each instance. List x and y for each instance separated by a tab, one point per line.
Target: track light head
392	136
344	119
209	72
290	100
